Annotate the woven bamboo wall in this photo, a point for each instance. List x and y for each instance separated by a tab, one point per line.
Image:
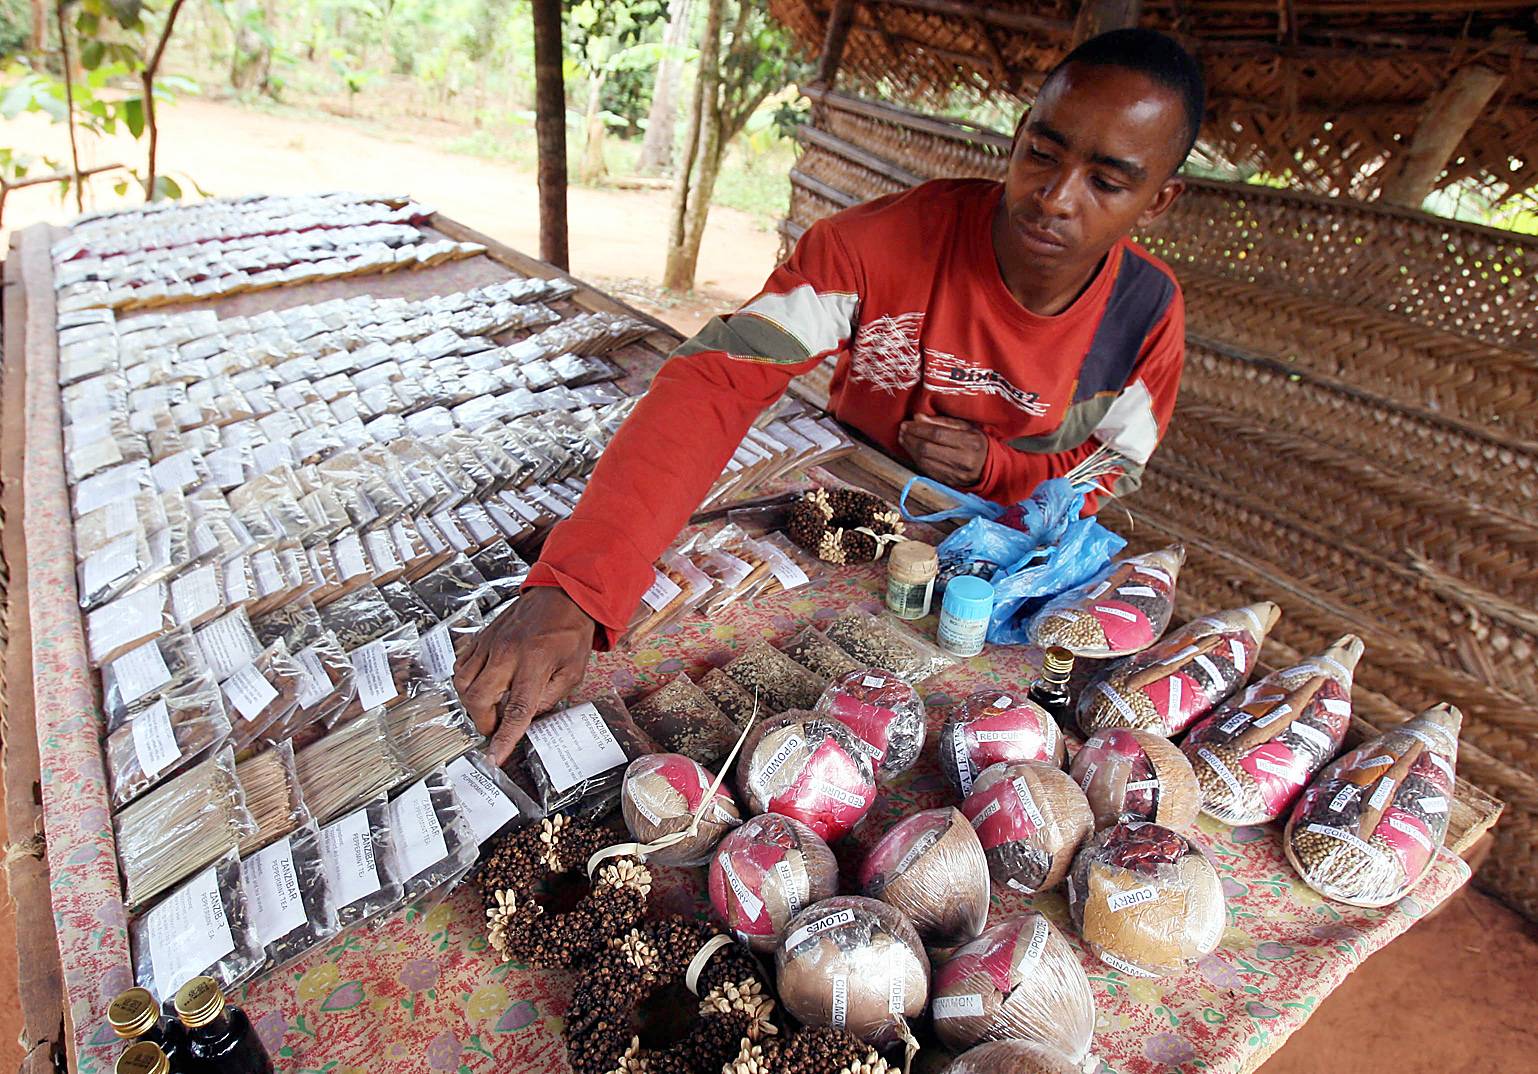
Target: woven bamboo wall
1356	437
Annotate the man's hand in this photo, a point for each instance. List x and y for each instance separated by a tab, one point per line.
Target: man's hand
528	659
946	449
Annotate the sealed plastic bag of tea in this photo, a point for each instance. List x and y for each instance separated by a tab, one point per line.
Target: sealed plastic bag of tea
493	802
886	713
576	758
681	718
1255	754
1167	688
992	727
810	767
1368	827
1019	980
853	963
434	843
932	868
660	797
290	903
1014	1057
1121	611
202	928
358	856
1146	900
765	873
1030	818
1137	775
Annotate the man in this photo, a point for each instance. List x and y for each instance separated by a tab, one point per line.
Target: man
992	334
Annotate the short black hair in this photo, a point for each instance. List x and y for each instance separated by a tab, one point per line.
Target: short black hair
1158	56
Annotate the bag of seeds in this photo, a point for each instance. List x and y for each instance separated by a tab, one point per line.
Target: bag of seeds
1137	775
1019	980
811	768
1030	818
886	713
140	676
1014	1057
201	928
992	727
764	873
1254	755
1368	827
931	866
363	875
576	758
1122	611
433	841
882	642
819	655
1167	688
681	718
779	683
290	904
161	739
1146	900
659	798
735	703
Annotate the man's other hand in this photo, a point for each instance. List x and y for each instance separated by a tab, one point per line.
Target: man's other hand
946	449
528	659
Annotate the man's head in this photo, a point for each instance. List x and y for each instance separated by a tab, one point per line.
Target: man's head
1096	155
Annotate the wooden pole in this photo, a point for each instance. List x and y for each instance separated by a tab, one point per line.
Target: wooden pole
839	21
1444	121
147	79
550	130
1098	16
69	103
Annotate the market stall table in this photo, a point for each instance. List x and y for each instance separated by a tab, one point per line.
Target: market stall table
421	991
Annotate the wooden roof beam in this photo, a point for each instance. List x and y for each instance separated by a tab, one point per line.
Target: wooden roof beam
1001	17
1446	118
839	21
1097	16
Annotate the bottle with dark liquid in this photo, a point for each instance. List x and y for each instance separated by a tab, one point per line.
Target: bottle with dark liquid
1050	690
220	1038
135	1016
145	1057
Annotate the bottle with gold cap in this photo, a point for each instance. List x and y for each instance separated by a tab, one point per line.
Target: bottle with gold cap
1050	690
220	1038
145	1057
135	1016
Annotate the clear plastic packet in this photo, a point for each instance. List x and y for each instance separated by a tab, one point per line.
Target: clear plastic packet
263	693
141	513
808	767
198	595
290	902
493	803
576	758
202	928
407	606
1013	1057
681	718
1021	979
326	685
434	844
931	867
1146	900
410	547
853	963
789	567
1369	826
359	618
138	677
384	562
766	872
270	784
99	446
1121	611
128	622
886	713
386	672
994	727
239	583
296	624
659	797
504	569
160	739
180	827
819	655
124	482
1169	686
882	642
357	853
734	563
228	643
430	728
455	585
1030	818
1137	775
352	764
779	682
351	568
184	470
735	703
677	588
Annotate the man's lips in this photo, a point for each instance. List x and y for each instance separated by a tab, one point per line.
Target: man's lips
1038	236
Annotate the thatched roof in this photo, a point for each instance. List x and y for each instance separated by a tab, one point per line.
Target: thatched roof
1322	91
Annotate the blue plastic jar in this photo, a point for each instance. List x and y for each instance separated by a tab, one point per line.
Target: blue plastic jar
964	615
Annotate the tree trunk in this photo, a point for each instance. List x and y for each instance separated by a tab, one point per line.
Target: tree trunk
702	145
593	166
550	131
37	41
250	58
662	119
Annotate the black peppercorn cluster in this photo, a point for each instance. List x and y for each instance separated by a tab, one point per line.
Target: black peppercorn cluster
841	525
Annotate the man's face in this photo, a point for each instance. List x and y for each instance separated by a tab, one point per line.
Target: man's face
1092	161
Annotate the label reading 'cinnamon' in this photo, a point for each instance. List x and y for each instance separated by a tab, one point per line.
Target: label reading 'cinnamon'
964	1006
840	1000
1028	803
1124	966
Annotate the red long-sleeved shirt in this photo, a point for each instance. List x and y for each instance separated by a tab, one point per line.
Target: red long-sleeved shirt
906	291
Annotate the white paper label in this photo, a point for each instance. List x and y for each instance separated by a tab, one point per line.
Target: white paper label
419	839
1222	770
1310	733
662	592
1028	803
1344	797
1237	653
249	691
316	684
272	891
485	806
840	1000
1381	794
195	593
1348	838
1125	900
269	576
1214	676
963	764
1336	706
120	516
347	853
897	981
1155	572
127	619
237	581
1434	805
175	471
751	904
1124	966
227	644
1234	722
371	668
785	570
777	759
104	488
1120	613
188	932
967	1006
154	741
1399	824
1136	591
381	550
140	672
575	745
350	561
817	927
112	563
1143	785
438	653
838	794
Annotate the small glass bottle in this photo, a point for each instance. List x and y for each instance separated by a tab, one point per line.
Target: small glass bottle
134	1016
145	1057
220	1038
1050	690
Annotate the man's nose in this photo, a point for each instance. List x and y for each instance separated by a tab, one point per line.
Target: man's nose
1055	197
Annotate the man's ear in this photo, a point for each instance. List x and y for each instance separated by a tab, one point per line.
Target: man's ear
1168	193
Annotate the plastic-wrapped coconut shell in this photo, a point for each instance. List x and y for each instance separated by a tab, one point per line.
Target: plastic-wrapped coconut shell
1013	1057
885	712
1123	611
808	767
932	868
853	963
1030	818
996	727
1137	774
1019	980
1145	900
765	873
659	796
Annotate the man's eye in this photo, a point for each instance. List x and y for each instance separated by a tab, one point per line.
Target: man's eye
1037	154
1107	187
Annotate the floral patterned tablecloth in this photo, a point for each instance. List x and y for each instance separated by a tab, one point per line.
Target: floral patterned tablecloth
420	992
